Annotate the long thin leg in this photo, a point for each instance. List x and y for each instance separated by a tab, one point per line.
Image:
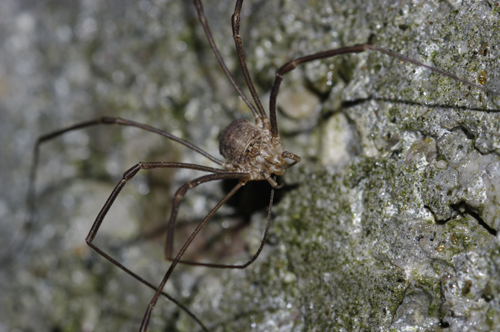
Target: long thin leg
149	284
179	195
235	21
292	64
105	120
203	20
30	197
436	70
152	304
251	260
129	174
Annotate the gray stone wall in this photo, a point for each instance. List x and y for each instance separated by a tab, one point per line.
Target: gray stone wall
388	223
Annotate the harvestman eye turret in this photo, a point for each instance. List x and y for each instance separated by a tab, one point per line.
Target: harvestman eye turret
253	152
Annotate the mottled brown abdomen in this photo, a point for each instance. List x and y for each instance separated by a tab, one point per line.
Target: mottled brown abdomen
241	141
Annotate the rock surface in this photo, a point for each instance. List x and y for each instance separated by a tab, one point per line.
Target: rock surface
388	223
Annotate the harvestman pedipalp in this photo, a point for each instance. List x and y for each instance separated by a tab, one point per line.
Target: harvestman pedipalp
265	160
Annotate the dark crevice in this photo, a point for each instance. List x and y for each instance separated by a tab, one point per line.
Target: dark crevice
463	209
482	223
466	131
443	324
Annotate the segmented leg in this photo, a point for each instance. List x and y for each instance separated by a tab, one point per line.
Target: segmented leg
235	22
251	260
243	178
292	64
127	176
204	24
31	201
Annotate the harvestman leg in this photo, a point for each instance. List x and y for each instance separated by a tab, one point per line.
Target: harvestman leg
292	64
218	173
106	120
169	243
235	23
179	195
243	177
259	115
30	199
128	175
204	24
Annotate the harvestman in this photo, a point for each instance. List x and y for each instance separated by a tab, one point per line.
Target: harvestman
253	152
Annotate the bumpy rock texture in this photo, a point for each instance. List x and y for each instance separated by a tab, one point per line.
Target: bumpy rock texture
388	224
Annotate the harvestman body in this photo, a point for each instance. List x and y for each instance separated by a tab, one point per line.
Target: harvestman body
253	152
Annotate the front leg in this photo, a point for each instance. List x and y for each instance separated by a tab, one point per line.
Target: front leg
296	159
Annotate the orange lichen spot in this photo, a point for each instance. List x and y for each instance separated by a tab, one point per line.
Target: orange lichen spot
440	248
481	78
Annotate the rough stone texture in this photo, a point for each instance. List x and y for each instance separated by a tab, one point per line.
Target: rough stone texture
387	224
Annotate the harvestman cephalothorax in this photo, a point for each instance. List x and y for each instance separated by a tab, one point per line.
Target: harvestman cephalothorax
252	151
